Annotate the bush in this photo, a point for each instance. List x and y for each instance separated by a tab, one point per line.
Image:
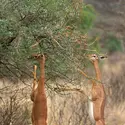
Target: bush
113	44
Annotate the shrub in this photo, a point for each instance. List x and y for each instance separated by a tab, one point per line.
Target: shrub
113	44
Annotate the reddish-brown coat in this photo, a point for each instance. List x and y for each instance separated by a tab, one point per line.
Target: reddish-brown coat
38	96
98	95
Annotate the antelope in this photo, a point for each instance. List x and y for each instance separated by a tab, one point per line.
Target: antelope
97	96
38	96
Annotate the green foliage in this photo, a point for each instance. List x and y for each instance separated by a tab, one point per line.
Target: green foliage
57	27
87	17
113	44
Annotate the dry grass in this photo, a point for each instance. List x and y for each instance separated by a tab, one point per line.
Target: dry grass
114	78
69	108
116	115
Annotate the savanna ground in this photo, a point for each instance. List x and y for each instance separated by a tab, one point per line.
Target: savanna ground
70	107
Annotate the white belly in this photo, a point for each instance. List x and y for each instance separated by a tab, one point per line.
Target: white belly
91	113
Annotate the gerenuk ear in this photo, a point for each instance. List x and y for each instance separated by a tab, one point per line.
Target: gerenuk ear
103	56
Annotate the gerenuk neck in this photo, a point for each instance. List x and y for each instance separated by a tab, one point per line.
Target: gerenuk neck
41	85
97	70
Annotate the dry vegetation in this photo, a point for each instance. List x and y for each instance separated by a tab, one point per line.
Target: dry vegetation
114	78
67	108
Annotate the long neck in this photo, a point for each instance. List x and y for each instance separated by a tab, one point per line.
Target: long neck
97	70
42	76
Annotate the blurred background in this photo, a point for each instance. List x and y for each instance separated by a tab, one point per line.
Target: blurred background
66	30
